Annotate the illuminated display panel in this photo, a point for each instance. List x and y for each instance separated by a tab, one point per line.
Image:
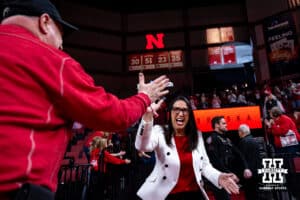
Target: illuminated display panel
221	55
214	56
176	58
134	62
213	36
227	34
249	115
228	55
148	60
219	35
162	59
156	60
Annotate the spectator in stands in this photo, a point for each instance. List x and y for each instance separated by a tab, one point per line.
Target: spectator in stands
286	147
241	99
88	142
291	85
280	125
100	158
232	98
43	91
257	98
181	159
270	102
194	103
278	93
250	148
224	155
203	102
296	96
296	117
98	151
224	99
215	101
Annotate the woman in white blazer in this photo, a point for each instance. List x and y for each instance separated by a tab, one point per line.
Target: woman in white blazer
181	159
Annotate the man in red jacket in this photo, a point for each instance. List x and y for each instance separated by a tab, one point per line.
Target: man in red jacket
43	91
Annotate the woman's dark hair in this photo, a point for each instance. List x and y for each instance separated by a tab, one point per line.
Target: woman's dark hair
190	129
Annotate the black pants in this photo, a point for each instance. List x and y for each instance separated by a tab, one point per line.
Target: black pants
251	189
186	195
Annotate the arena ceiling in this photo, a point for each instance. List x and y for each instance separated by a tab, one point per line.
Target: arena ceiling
152	5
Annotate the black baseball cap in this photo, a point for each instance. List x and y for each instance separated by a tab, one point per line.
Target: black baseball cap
35	8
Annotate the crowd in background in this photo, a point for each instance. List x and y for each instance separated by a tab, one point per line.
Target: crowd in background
285	96
240	95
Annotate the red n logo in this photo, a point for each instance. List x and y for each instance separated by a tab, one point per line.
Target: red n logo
156	41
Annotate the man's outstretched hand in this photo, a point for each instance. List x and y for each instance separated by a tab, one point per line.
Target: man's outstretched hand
156	89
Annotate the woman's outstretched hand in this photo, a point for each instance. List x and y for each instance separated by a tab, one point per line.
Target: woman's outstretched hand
228	182
154	107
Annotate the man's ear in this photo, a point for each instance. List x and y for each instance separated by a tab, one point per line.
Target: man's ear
44	23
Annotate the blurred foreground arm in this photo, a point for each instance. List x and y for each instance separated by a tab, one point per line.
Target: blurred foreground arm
92	106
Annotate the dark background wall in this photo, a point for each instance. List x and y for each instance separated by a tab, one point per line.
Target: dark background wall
108	36
112	30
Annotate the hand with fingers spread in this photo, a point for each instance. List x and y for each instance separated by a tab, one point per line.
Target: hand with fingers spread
154	107
152	110
228	182
156	89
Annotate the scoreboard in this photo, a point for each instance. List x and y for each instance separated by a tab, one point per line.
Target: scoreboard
156	60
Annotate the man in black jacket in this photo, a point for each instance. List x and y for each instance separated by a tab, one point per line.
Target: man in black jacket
253	153
224	155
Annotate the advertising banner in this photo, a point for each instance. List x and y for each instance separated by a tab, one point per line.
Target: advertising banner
234	116
281	45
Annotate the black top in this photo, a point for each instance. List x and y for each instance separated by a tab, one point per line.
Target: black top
224	155
253	152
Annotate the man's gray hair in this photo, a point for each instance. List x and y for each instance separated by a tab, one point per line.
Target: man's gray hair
244	128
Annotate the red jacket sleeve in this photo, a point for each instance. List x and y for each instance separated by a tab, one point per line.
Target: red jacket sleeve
108	158
81	100
282	125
